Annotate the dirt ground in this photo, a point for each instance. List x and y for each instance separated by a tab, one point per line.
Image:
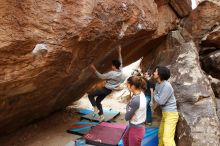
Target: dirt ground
52	130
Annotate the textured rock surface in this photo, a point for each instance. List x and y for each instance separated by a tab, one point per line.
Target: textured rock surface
214	1
203	25
182	8
212	38
210	52
211	63
215	83
168	21
46	47
198	118
218	107
202	20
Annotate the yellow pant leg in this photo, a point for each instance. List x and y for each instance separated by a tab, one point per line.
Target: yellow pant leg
170	121
160	133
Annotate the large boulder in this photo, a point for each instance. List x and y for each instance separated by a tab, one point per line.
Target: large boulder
204	26
46	48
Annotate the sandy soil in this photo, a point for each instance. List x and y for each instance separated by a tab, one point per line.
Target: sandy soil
52	130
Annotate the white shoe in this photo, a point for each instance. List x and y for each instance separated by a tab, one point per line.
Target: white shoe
101	118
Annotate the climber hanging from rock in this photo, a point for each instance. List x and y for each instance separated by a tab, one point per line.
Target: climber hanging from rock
113	79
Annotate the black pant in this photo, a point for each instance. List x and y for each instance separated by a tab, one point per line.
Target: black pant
101	94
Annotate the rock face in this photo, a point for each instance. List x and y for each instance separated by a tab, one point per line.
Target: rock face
204	26
46	48
212	39
182	8
214	1
218	107
211	63
215	86
210	52
204	29
198	118
202	20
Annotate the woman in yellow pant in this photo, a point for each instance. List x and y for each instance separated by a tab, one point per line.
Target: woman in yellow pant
164	96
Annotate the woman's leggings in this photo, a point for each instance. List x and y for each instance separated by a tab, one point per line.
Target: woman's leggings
133	136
